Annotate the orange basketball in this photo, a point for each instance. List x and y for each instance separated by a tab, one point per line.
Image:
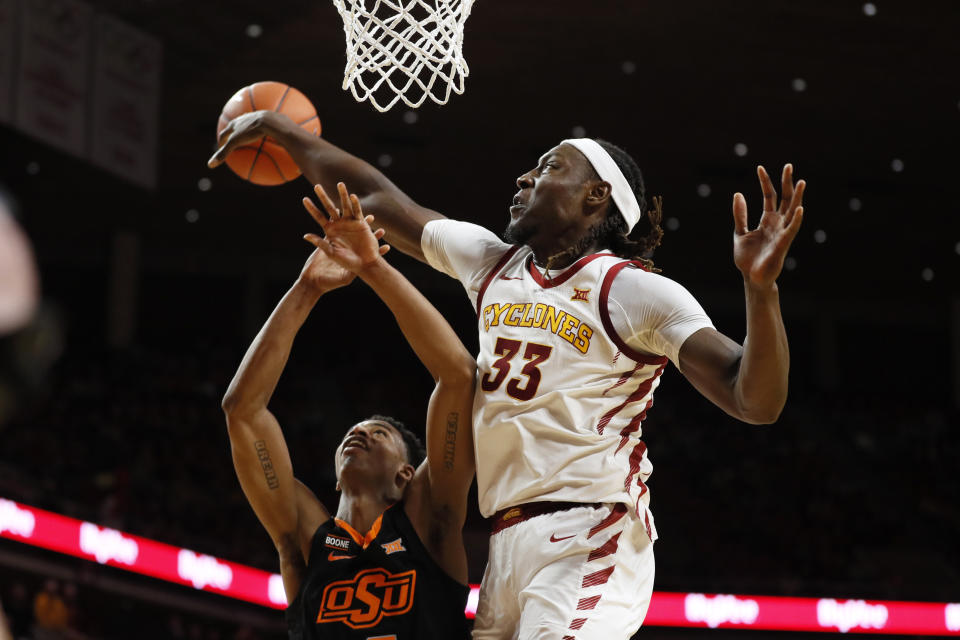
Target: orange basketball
265	162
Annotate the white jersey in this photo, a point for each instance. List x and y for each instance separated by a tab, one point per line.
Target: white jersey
561	395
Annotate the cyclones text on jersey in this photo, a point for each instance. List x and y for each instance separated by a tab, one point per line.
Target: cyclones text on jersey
540	316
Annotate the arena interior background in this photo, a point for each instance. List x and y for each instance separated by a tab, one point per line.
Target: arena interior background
155	291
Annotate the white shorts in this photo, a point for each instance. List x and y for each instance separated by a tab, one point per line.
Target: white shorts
585	573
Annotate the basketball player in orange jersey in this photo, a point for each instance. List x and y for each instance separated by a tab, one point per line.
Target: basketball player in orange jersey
575	330
391	563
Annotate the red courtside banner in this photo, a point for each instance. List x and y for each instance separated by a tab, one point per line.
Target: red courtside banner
723	611
133	553
709	611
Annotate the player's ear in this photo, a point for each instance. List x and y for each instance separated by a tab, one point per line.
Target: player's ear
405	474
599	192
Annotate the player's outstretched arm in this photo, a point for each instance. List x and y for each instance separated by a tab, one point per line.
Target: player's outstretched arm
287	509
750	381
437	499
324	163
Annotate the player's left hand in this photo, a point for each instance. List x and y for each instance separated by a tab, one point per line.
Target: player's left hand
322	273
759	253
350	240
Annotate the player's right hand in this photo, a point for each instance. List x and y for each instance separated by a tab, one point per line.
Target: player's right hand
245	129
349	238
759	253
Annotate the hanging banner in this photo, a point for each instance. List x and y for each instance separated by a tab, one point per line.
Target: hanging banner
8	45
52	74
126	94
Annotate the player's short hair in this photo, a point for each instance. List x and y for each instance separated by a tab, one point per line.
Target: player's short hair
611	232
415	450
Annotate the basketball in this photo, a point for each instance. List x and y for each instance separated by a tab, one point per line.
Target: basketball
264	162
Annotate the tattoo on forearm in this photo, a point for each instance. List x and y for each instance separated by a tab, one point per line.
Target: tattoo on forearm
267	464
450	442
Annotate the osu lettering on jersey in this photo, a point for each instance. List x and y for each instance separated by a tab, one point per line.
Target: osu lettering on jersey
381	584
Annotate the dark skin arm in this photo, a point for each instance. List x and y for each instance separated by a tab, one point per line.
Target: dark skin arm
286	508
325	164
436	498
749	382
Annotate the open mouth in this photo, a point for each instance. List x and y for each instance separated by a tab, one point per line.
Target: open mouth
354	443
517	206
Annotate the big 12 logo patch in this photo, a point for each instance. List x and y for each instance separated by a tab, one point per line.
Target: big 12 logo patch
363	601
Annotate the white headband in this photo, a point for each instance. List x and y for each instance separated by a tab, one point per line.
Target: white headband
608	170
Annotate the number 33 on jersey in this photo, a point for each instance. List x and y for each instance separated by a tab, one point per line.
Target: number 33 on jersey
553	372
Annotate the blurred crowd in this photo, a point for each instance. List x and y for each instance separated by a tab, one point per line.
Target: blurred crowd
48	609
845	493
140	445
847	496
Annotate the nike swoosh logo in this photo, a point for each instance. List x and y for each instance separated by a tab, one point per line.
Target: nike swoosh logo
554	537
509	278
334	556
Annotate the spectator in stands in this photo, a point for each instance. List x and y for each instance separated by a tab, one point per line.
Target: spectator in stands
50	611
4	627
18	610
19	284
19	295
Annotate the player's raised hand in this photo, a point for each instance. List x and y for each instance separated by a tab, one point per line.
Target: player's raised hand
759	253
322	273
349	240
244	129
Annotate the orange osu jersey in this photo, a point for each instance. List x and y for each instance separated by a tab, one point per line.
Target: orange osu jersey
381	585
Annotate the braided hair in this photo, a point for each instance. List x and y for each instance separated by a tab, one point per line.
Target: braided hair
611	232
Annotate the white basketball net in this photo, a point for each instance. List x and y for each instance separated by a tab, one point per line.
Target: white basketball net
404	50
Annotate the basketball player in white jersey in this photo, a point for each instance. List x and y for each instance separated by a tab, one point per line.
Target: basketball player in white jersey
575	331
